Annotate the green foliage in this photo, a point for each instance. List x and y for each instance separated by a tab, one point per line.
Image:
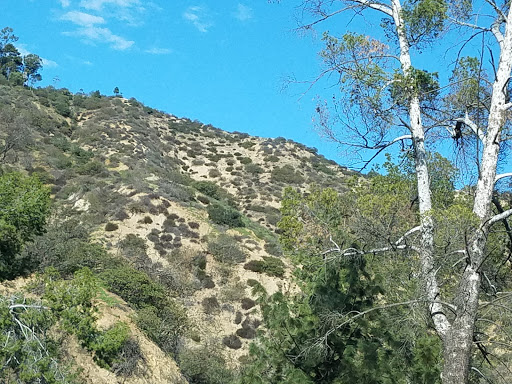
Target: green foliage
245	160
213	190
164	326
205	364
135	287
424	20
226	249
426	366
14	67
253	169
362	78
224	215
67	247
92	168
304	342
469	87
286	174
25	206
71	301
416	83
28	351
109	227
109	343
271	266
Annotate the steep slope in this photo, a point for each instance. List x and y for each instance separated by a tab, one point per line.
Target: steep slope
192	206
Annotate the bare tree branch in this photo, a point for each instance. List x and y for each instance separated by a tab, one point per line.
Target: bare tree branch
501	216
503	175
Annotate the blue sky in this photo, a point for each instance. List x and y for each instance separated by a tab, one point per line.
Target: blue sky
223	63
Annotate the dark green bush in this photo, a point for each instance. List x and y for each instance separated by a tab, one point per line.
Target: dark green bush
109	227
108	344
232	342
165	326
132	246
286	174
247	144
271	266
245	160
204	365
222	214
254	169
248	303
92	168
214	173
135	287
209	189
210	305
225	249
246	333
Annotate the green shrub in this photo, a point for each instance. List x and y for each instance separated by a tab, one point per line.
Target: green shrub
210	305
132	246
225	249
246	333
273	248
24	207
248	303
135	287
247	144
62	108
214	173
222	214
271	159
287	175
209	189
109	227
253	169
232	342
271	266
108	344
165	327
91	168
204	365
245	160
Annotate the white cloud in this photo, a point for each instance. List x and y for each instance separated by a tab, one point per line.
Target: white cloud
199	17
98	5
82	19
49	63
65	3
158	51
92	34
129	11
243	12
46	62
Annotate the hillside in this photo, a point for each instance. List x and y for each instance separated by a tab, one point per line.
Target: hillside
189	206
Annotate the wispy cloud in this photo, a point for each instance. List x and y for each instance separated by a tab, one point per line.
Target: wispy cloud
158	51
98	5
93	35
243	12
65	3
82	19
22	49
129	11
199	17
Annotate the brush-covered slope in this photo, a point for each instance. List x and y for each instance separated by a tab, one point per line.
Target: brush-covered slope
178	206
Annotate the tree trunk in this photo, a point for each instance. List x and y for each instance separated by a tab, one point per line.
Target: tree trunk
428	271
458	344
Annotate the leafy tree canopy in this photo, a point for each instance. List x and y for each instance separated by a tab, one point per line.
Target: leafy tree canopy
24	207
